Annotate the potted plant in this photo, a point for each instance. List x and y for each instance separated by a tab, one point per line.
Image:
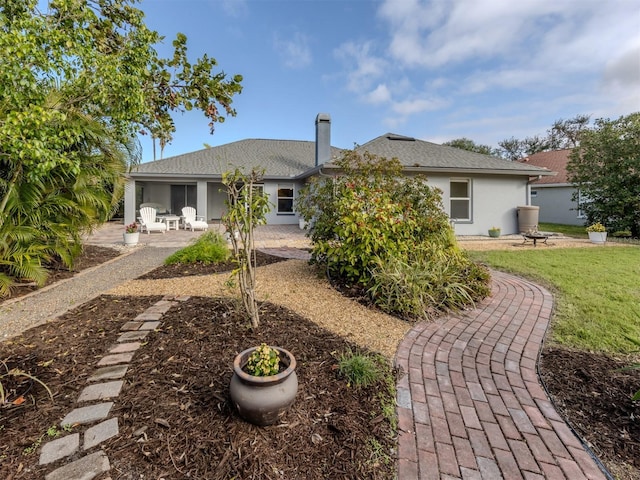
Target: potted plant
494	232
131	234
597	233
264	383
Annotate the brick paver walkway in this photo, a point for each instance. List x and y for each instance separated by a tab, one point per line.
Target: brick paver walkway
470	404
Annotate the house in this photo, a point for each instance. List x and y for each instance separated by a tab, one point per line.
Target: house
479	191
554	194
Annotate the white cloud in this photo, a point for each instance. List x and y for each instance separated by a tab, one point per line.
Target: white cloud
548	56
295	53
381	94
526	35
364	68
498	68
418	105
624	70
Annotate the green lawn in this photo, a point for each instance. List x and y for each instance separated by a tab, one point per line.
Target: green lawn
597	292
575	231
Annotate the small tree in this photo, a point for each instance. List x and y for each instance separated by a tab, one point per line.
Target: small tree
605	169
79	79
247	206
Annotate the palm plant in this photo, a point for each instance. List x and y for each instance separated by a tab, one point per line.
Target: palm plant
46	216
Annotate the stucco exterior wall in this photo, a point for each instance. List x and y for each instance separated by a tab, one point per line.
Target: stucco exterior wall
494	202
273	217
556	205
216	198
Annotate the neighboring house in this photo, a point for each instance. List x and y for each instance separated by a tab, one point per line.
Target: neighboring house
554	194
479	191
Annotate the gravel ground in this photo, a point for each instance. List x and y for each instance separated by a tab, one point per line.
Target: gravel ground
295	285
515	242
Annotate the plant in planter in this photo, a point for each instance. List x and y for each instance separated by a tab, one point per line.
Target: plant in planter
494	232
597	233
264	384
131	234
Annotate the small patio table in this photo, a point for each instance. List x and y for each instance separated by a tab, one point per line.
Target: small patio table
171	220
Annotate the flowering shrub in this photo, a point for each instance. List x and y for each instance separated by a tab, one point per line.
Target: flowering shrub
370	224
131	228
263	361
596	227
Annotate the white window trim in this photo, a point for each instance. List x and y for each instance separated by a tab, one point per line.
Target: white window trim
292	198
469	199
581	201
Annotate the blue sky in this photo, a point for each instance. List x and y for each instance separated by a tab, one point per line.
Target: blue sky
432	69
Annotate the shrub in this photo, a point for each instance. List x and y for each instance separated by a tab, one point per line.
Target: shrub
622	234
427	285
210	247
368	224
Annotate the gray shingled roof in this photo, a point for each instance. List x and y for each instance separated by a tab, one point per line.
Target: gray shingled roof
432	157
279	158
293	158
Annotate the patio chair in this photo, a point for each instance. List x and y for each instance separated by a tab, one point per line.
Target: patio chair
193	221
149	222
160	209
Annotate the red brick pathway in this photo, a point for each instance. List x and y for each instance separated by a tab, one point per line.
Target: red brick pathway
470	405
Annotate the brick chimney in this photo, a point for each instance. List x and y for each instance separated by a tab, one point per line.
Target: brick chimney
323	138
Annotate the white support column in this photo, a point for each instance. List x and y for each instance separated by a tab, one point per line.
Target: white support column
130	202
201	199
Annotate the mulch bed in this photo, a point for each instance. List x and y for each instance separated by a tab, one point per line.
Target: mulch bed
175	416
176	420
593	391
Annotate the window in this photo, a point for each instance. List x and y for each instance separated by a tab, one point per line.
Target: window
258	190
581	201
534	193
460	198
285	198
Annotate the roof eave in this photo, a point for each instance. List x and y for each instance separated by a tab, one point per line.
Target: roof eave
197	176
458	171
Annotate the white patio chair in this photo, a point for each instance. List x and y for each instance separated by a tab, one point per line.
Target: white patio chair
193	221
149	222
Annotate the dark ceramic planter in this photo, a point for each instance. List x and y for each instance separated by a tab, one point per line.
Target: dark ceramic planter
263	400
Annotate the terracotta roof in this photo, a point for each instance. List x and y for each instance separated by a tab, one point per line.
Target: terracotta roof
555	160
